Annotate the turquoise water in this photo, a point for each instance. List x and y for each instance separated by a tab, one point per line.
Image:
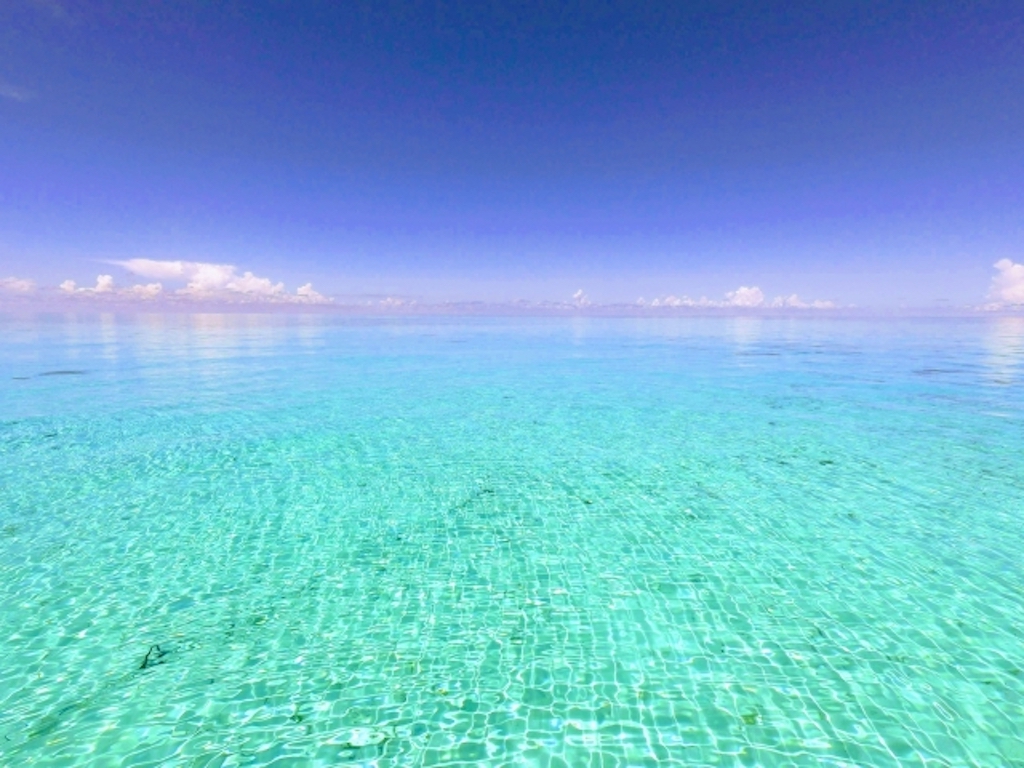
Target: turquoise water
242	540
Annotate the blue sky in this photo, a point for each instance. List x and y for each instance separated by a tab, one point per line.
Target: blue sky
868	153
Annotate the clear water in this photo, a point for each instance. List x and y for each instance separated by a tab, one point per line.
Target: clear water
241	540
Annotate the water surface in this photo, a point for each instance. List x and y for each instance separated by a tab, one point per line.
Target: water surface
235	540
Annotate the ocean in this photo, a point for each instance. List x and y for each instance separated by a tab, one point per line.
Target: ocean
232	540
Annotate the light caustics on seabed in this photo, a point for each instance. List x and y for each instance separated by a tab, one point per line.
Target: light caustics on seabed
233	540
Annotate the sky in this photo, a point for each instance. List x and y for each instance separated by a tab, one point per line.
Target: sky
736	153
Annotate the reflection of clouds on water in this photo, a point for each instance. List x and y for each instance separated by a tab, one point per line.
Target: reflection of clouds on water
745	332
580	328
221	336
108	336
311	333
1004	343
218	336
76	333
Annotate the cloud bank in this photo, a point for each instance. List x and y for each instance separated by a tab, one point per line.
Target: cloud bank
105	287
742	298
104	284
17	285
1007	288
203	282
206	281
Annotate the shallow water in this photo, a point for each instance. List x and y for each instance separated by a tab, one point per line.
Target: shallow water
243	540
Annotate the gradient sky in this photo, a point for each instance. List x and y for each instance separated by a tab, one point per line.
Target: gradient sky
863	152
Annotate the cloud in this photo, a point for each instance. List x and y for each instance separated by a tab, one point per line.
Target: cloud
17	285
148	291
393	302
104	284
105	287
742	298
676	301
204	281
307	294
792	301
159	270
795	302
210	281
1007	288
745	297
580	299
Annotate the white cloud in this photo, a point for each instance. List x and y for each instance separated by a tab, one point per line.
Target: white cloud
392	302
157	270
148	291
213	279
793	301
580	299
1007	287
105	287
209	281
743	297
676	301
104	284
305	293
17	285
